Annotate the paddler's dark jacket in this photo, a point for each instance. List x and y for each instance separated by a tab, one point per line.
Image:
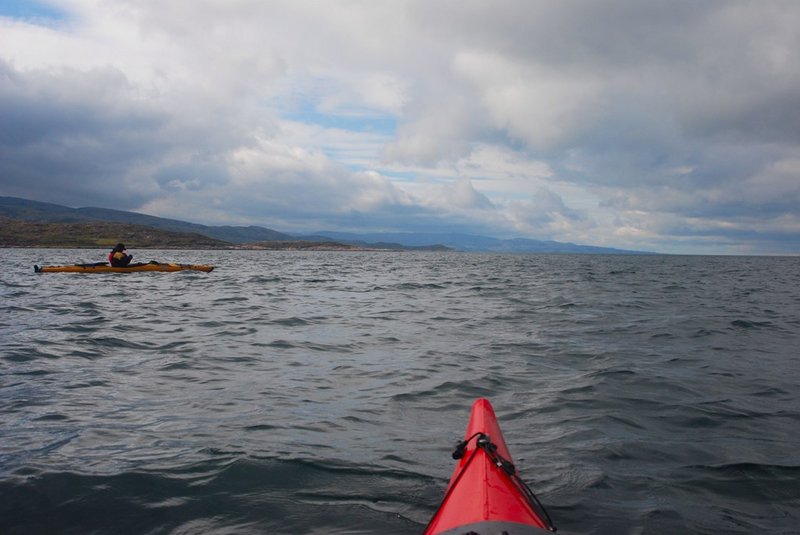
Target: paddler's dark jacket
119	259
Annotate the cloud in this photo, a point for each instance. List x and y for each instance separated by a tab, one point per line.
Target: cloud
638	125
459	195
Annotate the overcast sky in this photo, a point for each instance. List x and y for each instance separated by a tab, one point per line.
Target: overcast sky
666	126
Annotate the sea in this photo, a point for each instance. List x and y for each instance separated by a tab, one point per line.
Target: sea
292	392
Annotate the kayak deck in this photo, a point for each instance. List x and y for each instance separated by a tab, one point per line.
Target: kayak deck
485	495
105	268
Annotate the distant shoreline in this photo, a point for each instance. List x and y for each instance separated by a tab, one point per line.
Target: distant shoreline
28	223
238	247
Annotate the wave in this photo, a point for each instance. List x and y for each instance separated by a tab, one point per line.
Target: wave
323	392
223	494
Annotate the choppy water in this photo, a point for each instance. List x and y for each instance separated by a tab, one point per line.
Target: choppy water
292	392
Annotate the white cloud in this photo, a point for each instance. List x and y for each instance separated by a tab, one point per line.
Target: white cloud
615	122
533	103
457	195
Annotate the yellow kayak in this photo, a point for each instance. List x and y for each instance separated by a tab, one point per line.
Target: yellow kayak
102	267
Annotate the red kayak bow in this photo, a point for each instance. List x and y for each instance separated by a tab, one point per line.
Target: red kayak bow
485	495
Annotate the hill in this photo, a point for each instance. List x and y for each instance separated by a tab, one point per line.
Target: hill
255	236
35	211
251	237
16	233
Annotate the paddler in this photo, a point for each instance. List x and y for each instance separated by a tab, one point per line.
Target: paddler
117	256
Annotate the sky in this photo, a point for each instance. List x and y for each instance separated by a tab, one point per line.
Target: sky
671	127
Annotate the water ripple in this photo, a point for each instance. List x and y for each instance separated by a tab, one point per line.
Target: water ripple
321	392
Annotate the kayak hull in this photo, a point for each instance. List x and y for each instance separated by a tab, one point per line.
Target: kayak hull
91	268
484	495
494	527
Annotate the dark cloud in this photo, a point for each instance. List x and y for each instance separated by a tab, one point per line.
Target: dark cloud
72	135
627	120
78	137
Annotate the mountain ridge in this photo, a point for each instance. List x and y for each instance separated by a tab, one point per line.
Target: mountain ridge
42	212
